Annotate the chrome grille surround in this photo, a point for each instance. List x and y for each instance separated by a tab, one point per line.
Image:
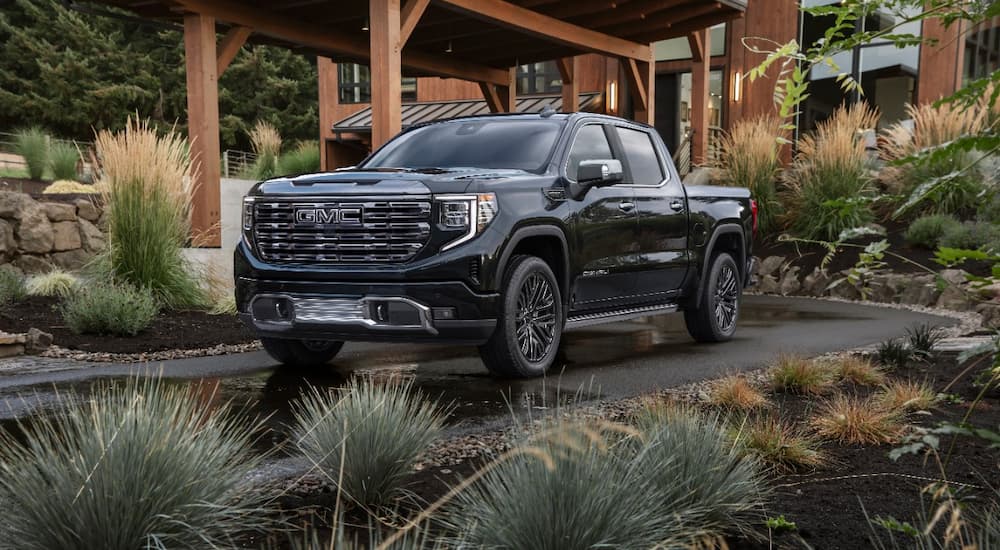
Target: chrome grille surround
372	230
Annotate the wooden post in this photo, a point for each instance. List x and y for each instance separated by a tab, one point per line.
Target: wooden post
700	48
501	98
386	70
203	125
641	83
568	70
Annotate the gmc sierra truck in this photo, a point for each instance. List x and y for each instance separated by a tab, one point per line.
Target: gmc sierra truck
499	231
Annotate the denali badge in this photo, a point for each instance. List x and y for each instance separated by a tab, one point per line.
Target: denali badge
327	216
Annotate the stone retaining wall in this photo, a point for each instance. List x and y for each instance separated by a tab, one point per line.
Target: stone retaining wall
37	236
776	275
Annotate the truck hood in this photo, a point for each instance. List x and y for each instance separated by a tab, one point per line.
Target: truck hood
386	182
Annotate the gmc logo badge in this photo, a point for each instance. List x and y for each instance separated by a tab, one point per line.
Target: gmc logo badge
327	216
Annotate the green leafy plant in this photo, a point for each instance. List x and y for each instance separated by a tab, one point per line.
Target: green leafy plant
140	464
147	189
304	159
923	338
63	158
750	159
33	145
893	354
973	236
926	231
54	283
12	287
109	308
829	182
366	436
780	524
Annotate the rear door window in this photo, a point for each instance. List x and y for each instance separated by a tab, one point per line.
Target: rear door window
640	153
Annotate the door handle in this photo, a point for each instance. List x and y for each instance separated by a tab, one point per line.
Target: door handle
676	205
626	206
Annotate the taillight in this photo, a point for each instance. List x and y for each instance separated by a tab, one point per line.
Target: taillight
753	211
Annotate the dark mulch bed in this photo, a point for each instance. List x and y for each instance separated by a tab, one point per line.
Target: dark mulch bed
171	329
828	506
35	188
808	257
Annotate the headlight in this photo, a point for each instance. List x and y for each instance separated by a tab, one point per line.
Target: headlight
247	213
469	212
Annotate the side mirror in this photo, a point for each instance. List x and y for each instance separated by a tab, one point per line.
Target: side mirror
595	173
599	172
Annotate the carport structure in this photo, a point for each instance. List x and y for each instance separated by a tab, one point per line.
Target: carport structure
483	41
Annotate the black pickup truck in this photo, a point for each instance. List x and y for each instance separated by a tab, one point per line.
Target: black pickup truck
500	231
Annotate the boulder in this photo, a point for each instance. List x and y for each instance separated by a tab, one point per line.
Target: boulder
815	283
66	236
14	204
71	260
91	237
34	233
770	265
990	312
885	288
7	243
86	210
31	265
767	284
920	290
60	212
845	290
954	297
36	340
954	276
790	281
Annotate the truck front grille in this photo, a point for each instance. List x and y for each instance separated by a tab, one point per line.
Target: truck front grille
340	231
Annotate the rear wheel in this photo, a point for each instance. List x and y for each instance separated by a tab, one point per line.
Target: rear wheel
714	317
529	330
301	353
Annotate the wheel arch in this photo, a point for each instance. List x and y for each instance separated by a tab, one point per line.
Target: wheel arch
727	237
546	242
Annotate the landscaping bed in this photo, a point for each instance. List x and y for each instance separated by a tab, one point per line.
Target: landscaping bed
171	329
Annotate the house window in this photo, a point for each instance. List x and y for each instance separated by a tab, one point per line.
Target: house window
538	78
982	53
679	48
355	84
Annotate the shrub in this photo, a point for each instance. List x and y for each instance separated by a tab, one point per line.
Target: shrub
70	187
109	308
54	283
857	420
675	483
12	287
973	236
147	190
266	143
793	374
908	395
858	370
750	159
779	443
989	208
303	160
829	182
33	145
893	353
926	231
140	465
377	430
923	338
737	393
63	158
931	127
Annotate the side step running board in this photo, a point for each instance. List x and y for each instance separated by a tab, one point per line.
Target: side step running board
590	319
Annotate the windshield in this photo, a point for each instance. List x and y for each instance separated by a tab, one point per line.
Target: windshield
494	144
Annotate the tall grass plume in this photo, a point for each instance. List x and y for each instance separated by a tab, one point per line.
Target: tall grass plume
750	159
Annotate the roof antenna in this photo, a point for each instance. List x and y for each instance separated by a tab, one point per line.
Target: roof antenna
547	111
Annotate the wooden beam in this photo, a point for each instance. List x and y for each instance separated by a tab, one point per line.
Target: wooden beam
699	101
697	46
683	28
568	69
636	10
230	45
386	70
412	12
501	98
636	77
201	64
492	97
280	26
660	22
549	28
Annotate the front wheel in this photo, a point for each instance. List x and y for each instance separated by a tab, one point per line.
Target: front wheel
527	336
713	318
301	353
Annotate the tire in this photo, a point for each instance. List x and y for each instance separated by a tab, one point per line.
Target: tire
301	353
714	317
531	306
